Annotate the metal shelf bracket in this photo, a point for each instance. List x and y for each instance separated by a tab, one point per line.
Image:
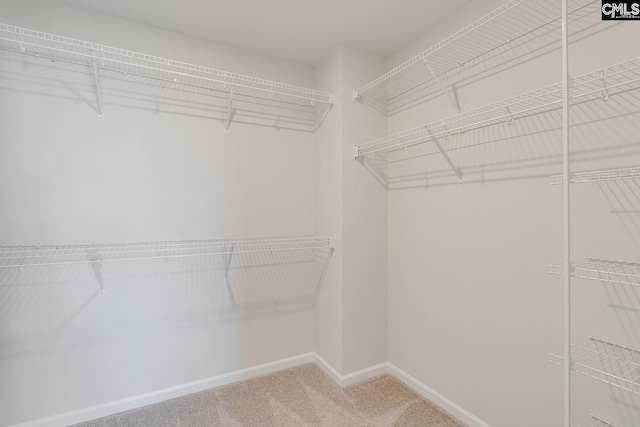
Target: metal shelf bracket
96	79
229	111
22	48
605	90
228	256
20	263
444	90
446	157
96	265
325	268
510	116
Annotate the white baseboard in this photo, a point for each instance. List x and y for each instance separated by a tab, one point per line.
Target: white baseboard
328	369
106	409
411	382
354	377
435	397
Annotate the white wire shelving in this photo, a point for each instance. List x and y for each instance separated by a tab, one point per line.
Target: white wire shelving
594	421
611	363
235	91
21	257
507	28
602	270
46	255
596	85
600	175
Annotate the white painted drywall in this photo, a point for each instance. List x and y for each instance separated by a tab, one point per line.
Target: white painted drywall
472	311
329	202
151	170
351	320
365	223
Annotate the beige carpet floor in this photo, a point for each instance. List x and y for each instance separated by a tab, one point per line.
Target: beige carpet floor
301	396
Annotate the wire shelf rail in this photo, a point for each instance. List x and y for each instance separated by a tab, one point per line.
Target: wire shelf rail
611	363
600	175
37	256
594	421
603	270
20	257
506	28
238	90
596	85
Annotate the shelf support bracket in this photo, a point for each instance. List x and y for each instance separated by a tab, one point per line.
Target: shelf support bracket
510	116
20	262
356	152
324	269
447	131
98	92
22	48
228	255
444	90
447	158
229	111
605	90
96	265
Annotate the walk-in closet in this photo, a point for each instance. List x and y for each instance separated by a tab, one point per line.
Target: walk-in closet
339	213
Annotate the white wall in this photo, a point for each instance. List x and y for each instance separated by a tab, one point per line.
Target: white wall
472	311
156	168
365	223
351	319
329	204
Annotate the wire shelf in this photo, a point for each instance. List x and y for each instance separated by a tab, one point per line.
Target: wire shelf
37	256
246	93
603	270
515	23
596	85
268	253
600	175
605	361
594	421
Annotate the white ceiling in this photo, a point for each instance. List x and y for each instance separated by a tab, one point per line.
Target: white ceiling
301	30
